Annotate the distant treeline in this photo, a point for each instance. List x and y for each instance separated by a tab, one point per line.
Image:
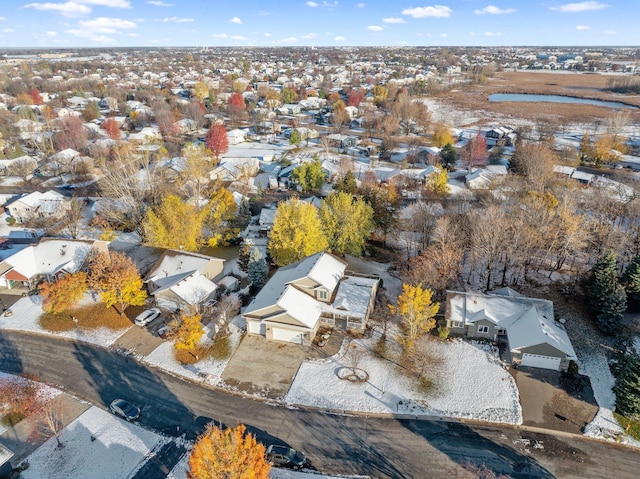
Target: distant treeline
625	85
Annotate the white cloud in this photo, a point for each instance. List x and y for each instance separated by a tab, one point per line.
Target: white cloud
220	35
107	3
361	5
610	32
268	34
237	37
236	20
472	34
107	25
492	34
177	20
289	40
579	7
309	36
444	35
437	11
50	34
329	5
8	30
2	19
493	10
339	38
582	27
68	9
159	3
393	20
375	28
312	4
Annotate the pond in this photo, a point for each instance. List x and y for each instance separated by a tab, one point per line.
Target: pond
524	97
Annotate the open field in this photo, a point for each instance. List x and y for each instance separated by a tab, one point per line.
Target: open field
583	85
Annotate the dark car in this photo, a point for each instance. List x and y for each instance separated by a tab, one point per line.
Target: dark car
124	409
283	456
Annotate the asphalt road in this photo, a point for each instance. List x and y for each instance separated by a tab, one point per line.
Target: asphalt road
379	447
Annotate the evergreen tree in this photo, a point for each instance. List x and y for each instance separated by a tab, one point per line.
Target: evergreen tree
612	312
627	388
604	281
244	254
448	156
346	183
257	268
631	279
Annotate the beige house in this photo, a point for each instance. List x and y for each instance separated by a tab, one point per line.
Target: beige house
50	204
527	325
301	296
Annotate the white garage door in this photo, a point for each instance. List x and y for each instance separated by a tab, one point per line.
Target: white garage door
287	335
537	361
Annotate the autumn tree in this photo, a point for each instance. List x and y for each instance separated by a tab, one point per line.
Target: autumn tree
217	140
347	223
111	127
193	177
220	211
288	95
36	98
442	136
21	397
236	108
297	232
200	90
228	453
416	312
535	162
474	152
188	333
346	183
71	134
73	217
175	224
380	94
437	183
114	275
63	294
385	202
309	175
91	112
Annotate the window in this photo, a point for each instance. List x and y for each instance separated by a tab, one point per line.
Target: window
322	295
483	329
456	324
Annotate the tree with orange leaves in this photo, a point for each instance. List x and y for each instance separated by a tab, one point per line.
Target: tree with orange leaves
228	453
217	140
62	295
111	127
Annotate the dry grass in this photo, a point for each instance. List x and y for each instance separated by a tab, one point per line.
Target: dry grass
583	85
89	317
191	356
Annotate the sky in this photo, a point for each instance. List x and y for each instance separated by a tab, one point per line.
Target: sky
123	23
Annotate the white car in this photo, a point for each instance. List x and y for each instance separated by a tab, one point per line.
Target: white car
147	316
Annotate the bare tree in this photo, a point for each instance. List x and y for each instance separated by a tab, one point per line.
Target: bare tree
73	217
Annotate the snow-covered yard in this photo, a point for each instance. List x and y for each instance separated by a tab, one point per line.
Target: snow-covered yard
26	317
96	445
471	383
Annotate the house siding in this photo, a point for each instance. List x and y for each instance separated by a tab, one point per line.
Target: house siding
472	329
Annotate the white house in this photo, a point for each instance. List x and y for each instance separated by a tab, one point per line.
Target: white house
38	205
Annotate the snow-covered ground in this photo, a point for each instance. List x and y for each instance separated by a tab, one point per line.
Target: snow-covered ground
470	383
26	317
208	370
96	445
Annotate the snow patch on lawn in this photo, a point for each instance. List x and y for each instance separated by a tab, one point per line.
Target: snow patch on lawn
26	317
118	450
208	370
472	384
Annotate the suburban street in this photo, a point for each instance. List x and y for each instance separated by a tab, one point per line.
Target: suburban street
379	447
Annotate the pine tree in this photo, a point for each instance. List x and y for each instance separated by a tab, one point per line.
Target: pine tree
627	388
346	183
631	279
448	156
612	312
244	254
257	268
604	281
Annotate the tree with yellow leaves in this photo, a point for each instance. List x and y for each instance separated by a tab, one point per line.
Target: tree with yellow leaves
417	314
201	90
228	453
64	293
175	224
297	232
114	275
437	183
188	333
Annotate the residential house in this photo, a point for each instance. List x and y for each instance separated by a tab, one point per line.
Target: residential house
7	166
528	326
500	136
50	204
184	281
48	260
301	296
236	136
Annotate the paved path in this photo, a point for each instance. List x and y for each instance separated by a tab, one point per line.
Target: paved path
379	447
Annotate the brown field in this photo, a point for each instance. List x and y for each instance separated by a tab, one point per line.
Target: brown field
89	317
583	85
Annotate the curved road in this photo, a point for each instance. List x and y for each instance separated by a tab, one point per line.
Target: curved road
379	447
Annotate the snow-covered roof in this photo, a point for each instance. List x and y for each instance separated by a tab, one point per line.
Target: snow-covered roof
173	262
532	328
50	256
267	216
326	269
46	202
353	297
192	289
300	306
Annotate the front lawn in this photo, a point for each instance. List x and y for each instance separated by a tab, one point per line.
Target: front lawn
634	425
88	316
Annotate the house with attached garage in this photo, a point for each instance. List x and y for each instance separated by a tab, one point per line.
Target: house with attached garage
48	260
49	204
526	325
303	295
184	281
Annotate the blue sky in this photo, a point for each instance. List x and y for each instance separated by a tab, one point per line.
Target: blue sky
77	23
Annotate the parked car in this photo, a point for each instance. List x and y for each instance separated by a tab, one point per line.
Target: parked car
283	456
124	409
147	316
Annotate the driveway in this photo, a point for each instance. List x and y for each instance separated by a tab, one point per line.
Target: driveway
552	400
264	367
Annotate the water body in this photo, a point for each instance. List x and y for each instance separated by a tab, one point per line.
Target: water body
523	97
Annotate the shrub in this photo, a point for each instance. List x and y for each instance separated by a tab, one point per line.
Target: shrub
443	333
11	220
220	349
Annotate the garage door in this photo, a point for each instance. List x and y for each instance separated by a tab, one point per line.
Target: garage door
537	361
287	335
